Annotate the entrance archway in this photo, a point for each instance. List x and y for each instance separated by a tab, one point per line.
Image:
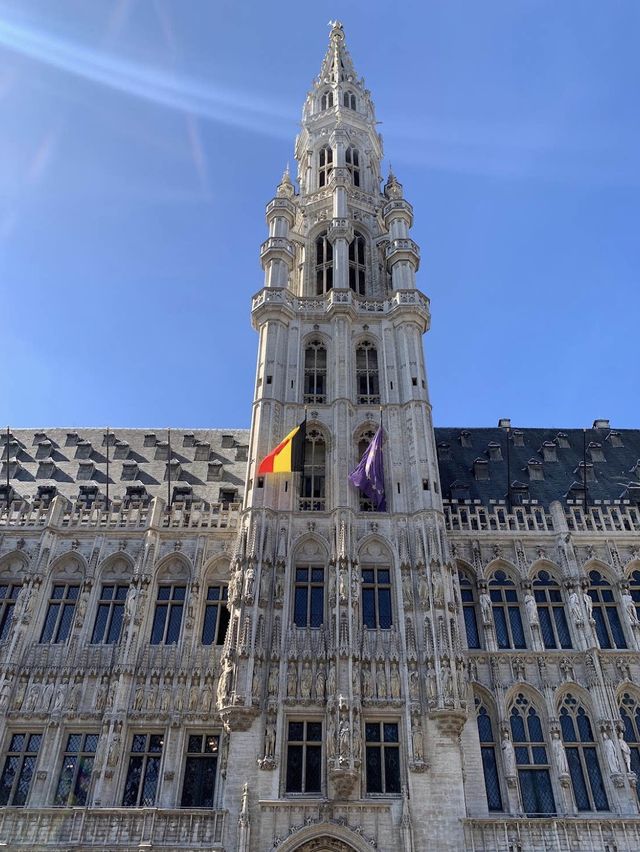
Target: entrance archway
324	837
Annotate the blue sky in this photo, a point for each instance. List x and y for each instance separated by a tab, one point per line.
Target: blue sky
141	140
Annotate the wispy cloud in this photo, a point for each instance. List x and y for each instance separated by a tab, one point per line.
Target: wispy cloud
232	108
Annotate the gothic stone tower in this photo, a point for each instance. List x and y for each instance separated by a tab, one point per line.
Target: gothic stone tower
343	661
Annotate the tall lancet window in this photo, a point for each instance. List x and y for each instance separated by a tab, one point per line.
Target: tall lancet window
551	613
367	374
488	754
580	747
469	610
315	373
357	264
325	165
326	101
349	100
532	763
352	160
506	612
605	612
324	265
312	494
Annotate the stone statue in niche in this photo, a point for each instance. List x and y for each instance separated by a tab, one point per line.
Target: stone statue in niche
531	608
423	591
626	751
611	753
508	755
272	683
344	736
486	608
559	754
438	588
395	681
292	680
629	606
575	609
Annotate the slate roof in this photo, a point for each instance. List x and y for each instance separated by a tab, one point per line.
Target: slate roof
465	456
206	460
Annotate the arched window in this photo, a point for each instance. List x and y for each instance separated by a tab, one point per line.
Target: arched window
367	374
325	165
315	373
582	757
630	715
312	497
489	760
349	100
376	597
324	265
634	590
506	612
551	612
532	762
469	610
357	264
9	592
365	503
605	612
352	160
326	100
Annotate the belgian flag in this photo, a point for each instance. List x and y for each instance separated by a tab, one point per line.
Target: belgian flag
288	455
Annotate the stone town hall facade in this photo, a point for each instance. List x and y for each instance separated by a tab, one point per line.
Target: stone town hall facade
193	657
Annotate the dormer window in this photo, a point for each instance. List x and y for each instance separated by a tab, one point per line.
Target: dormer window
326	100
46	469
83	449
518	437
150	439
188	439
519	492
595	451
444	451
349	100
108	439
182	495
136	495
44	450
615	439
465	439
174	469
45	495
228	441
352	160
72	439
325	165
495	451
357	264
589	469
562	440
242	452
121	451
481	470
536	471
88	495
38	437
129	470
203	449
549	451
460	490
214	472
86	469
162	451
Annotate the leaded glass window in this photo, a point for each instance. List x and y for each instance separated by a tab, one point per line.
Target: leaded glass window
630	715
304	757
323	265
216	616
376	598
582	756
143	771
352	160
349	100
382	757
60	612
315	373
326	100
312	498
489	760
551	612
308	608
74	781
109	615
167	618
325	163
506	612
200	771
367	374
19	767
531	759
8	596
605	612
469	610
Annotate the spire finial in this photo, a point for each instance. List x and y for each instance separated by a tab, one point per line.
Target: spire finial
285	187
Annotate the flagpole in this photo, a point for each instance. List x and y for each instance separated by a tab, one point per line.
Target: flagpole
107	467
584	467
168	468
8	433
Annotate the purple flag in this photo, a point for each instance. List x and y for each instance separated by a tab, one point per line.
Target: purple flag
369	475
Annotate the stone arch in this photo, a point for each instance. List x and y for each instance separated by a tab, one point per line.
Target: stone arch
116	567
322	336
310	546
217	568
626	686
551	568
70	566
175	567
502	564
578	692
324	837
13	566
607	570
631	566
373	550
466	568
534	696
